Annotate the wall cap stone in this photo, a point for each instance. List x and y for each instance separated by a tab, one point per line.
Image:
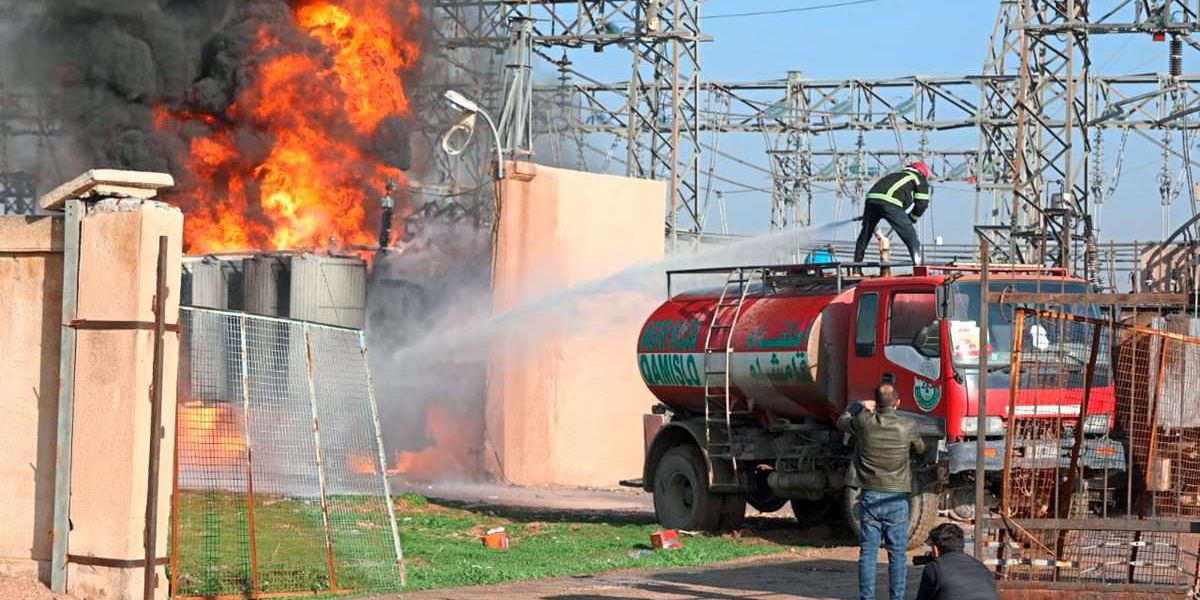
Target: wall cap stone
123	205
107	182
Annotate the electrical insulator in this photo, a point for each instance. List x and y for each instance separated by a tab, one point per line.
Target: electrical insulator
1176	56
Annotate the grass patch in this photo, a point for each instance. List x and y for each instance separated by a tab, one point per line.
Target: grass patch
443	549
442	546
289	545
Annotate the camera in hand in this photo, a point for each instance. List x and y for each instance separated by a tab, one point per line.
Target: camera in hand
920	561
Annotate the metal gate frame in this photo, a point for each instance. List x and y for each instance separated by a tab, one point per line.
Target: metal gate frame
1148	524
319	449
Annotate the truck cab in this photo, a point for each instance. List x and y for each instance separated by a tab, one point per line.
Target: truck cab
923	329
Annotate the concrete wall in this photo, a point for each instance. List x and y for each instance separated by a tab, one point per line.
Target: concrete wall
565	398
31	277
118	259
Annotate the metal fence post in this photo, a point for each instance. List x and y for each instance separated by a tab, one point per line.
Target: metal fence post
1018	337
61	532
1147	495
249	458
149	570
387	486
316	429
1077	448
981	400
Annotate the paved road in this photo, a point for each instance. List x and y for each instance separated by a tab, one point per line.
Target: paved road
820	574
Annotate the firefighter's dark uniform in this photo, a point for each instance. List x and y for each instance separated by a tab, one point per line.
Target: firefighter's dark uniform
889	199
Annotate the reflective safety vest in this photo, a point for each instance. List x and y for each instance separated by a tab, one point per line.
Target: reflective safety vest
903	188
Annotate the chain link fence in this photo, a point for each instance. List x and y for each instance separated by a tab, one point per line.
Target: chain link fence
1101	479
280	480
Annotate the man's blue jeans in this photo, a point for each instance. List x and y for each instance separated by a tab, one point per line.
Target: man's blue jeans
884	515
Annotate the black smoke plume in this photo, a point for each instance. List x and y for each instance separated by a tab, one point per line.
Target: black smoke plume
110	64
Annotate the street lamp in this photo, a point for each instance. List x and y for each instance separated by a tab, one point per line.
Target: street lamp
471	109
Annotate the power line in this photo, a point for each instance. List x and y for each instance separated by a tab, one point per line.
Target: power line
787	10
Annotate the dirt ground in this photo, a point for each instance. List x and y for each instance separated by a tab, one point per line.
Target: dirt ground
21	588
819	573
822	566
619	504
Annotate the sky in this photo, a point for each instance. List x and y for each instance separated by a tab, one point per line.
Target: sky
892	38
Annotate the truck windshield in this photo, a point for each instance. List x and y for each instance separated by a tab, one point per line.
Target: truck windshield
1056	341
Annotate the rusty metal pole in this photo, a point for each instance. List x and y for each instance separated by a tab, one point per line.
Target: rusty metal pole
1148	476
320	462
1077	448
250	524
174	562
387	485
1159	384
1014	380
981	401
150	535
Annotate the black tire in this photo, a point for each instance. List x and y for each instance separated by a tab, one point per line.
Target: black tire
922	514
682	499
960	504
811	513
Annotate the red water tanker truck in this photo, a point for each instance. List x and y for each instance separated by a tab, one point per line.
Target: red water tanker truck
752	375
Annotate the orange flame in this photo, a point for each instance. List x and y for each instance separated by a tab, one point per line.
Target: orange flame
314	183
210	434
454	449
362	463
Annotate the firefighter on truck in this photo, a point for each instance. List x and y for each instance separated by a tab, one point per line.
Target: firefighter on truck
891	199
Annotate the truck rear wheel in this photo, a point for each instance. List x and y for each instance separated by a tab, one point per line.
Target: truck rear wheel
922	514
682	499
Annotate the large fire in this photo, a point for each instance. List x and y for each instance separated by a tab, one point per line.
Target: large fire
312	173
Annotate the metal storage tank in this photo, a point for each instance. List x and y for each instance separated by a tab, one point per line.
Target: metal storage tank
329	289
209	282
323	289
212	282
267	287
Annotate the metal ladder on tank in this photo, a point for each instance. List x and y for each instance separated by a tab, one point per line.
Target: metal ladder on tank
718	402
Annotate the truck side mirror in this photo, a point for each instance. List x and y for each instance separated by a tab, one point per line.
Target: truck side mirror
928	341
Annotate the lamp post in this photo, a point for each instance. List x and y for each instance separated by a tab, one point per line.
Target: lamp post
467	105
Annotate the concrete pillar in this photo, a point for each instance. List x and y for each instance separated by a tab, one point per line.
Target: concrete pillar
113	371
565	399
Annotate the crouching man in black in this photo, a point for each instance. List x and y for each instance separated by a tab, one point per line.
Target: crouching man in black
952	574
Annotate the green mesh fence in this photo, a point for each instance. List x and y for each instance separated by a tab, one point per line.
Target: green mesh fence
280	480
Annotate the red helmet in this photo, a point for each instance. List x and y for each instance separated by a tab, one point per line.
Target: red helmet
921	168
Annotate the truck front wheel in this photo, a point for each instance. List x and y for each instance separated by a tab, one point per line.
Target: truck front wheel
922	514
682	499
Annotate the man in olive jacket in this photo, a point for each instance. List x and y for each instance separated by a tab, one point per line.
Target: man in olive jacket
883	438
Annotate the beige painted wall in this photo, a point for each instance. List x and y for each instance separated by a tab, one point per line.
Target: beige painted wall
31	277
565	398
118	259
